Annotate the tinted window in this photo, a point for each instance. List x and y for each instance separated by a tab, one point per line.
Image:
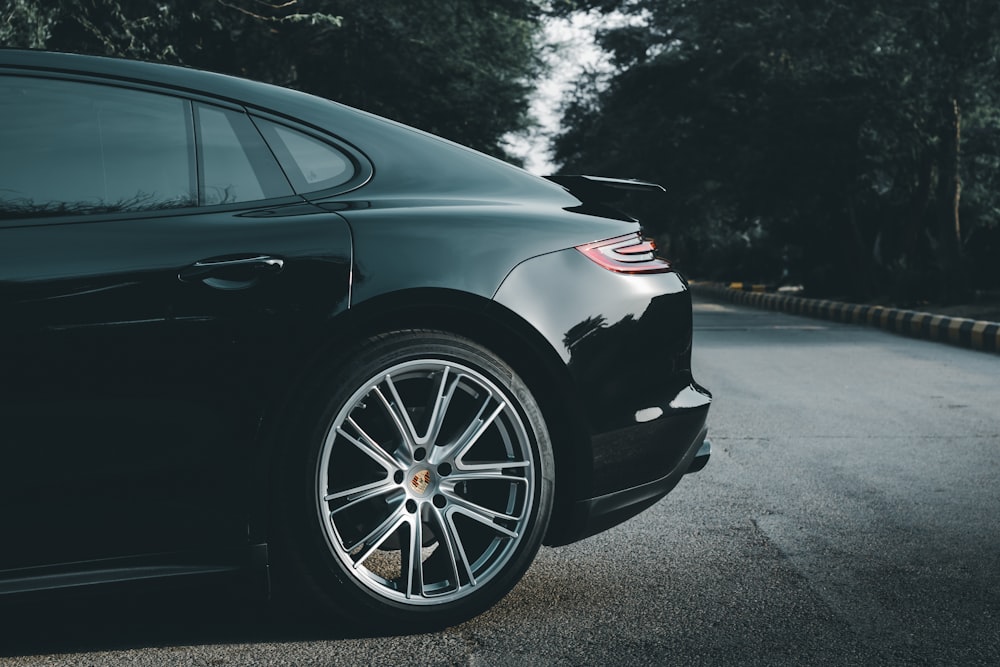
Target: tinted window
68	147
309	163
236	164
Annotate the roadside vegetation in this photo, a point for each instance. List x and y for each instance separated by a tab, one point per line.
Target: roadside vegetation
852	146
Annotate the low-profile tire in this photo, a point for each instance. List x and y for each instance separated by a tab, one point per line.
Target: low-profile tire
417	483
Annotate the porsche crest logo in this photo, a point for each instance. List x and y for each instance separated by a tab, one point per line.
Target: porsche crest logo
420	481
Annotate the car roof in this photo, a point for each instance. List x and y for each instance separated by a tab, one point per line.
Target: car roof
177	77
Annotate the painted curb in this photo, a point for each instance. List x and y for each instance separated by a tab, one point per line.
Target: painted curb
960	331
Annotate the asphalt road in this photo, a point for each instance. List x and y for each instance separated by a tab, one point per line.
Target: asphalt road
850	515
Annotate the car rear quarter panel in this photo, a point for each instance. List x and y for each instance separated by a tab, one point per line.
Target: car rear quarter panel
626	343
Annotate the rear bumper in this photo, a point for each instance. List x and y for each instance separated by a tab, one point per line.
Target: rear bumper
594	515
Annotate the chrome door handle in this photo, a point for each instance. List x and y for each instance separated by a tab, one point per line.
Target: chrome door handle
231	273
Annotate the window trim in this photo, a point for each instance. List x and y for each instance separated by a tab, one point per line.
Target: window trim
259	166
363	169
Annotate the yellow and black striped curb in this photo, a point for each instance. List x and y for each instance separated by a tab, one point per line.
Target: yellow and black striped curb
961	331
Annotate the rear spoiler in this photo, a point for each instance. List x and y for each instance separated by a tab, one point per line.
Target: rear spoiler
600	189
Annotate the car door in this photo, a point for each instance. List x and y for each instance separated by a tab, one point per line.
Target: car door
158	277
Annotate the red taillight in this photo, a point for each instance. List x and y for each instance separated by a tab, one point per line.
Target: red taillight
626	254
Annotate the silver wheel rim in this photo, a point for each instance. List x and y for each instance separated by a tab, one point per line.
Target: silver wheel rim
426	482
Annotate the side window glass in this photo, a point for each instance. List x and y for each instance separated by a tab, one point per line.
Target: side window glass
235	163
70	148
309	163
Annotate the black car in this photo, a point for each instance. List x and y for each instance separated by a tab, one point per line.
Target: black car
248	329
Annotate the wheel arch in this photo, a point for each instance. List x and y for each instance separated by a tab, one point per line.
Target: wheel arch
481	320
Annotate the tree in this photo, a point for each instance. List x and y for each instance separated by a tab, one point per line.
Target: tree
849	142
463	69
25	24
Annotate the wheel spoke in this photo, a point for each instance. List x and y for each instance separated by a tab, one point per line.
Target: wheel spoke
368	446
375	538
467	472
400	415
452	543
483	515
477	426
360	494
442	400
397	413
411	557
444	391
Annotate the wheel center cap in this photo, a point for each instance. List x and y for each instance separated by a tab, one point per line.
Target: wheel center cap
420	480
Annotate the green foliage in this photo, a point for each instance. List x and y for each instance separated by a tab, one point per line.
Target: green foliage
462	69
25	24
817	139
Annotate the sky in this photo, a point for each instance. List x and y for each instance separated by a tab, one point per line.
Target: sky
573	52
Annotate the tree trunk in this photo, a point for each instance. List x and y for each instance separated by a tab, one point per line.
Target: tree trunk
955	281
956	190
